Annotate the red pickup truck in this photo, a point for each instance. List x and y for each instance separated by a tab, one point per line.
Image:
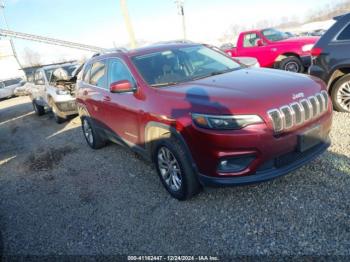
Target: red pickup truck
275	49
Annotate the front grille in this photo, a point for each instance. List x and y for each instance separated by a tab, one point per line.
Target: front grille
298	113
307	109
315	106
276	118
67	106
287	116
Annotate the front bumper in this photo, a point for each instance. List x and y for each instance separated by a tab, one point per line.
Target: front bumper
67	108
274	155
267	174
318	71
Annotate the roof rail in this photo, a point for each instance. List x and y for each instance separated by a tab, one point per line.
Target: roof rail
178	41
340	16
110	50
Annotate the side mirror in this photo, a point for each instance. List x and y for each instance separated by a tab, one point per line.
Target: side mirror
260	42
121	87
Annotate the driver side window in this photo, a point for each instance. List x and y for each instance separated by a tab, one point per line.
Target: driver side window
117	71
251	40
39	78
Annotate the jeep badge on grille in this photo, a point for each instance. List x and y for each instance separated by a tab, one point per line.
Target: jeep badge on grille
297	96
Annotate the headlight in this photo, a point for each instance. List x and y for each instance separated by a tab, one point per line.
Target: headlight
225	122
62	92
307	48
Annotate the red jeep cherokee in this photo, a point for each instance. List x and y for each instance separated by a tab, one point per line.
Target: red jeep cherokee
202	118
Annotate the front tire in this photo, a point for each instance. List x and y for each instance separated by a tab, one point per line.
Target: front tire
39	110
292	64
341	94
93	138
175	169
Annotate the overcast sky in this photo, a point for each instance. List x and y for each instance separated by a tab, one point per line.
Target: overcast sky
100	22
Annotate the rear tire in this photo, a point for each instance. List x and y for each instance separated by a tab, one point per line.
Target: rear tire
39	110
292	64
340	94
175	169
93	138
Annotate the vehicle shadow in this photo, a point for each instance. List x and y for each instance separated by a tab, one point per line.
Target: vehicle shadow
199	102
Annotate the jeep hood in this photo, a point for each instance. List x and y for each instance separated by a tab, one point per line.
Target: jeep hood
245	90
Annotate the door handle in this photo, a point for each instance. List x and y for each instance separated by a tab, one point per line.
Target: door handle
107	99
85	93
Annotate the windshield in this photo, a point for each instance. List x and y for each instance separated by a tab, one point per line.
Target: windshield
182	64
274	34
69	68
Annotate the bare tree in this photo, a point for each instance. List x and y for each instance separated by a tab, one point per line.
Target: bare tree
31	57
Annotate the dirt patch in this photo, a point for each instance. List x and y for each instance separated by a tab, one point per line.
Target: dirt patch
48	159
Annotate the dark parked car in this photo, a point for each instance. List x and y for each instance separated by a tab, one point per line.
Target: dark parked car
331	62
202	118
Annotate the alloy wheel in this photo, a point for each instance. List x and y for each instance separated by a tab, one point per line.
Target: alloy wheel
169	169
343	96
292	67
88	132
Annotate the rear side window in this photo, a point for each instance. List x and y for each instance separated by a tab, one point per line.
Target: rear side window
98	75
12	82
86	75
345	34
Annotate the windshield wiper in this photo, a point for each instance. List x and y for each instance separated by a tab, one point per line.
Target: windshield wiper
214	74
165	84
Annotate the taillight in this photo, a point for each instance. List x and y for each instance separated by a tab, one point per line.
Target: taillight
316	51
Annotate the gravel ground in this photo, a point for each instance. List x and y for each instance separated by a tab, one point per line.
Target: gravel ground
60	197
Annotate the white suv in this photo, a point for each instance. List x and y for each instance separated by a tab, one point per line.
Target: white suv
55	89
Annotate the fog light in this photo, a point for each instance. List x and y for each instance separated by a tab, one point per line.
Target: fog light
235	164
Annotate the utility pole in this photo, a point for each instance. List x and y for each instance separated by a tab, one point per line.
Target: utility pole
180	7
127	20
2	7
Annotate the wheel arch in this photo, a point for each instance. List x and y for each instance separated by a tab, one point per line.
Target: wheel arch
156	130
285	55
337	73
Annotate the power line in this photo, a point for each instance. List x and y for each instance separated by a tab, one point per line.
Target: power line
48	40
2	7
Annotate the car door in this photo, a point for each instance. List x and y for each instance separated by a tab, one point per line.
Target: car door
38	91
10	86
252	49
95	92
124	108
